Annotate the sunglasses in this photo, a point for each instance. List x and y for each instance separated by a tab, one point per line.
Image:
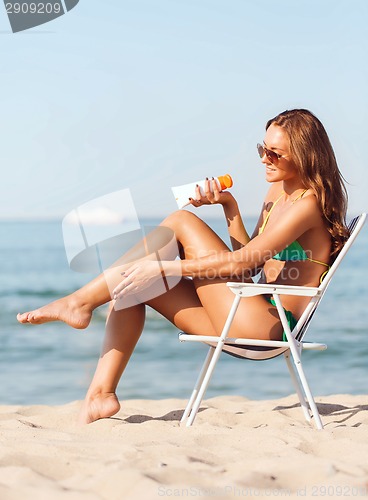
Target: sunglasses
271	155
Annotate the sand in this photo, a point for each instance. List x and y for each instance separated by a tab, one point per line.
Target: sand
236	448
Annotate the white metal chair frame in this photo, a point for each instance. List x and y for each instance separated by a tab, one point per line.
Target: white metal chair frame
291	348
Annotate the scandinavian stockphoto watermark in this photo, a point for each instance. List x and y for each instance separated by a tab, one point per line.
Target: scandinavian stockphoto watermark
26	14
235	491
105	235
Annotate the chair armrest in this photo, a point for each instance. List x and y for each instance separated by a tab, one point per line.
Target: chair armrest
252	289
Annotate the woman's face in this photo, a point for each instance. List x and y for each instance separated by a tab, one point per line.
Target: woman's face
279	167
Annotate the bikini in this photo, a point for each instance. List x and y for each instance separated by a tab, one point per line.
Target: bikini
292	253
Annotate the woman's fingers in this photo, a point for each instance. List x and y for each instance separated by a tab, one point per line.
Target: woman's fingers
198	194
122	285
209	195
194	202
118	290
215	189
205	195
208	190
138	277
126	286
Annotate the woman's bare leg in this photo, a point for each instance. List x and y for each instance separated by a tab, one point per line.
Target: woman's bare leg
76	309
123	329
195	306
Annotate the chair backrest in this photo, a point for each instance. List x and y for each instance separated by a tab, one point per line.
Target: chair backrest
355	226
262	353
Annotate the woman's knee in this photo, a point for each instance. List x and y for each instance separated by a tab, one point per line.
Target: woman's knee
194	237
176	219
182	223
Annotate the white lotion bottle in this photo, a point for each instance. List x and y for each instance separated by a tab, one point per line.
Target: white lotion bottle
186	191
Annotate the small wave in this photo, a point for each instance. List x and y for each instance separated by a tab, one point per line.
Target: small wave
44	293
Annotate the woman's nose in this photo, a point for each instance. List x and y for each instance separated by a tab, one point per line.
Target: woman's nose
265	159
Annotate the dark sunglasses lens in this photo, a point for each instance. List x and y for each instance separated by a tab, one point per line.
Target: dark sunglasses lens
271	156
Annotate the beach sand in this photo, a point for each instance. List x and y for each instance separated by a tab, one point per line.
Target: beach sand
236	448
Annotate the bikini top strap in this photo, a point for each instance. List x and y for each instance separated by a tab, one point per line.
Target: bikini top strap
301	194
261	229
319	262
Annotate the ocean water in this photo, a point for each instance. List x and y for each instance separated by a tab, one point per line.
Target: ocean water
53	364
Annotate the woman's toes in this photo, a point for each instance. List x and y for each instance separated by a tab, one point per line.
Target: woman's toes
22	318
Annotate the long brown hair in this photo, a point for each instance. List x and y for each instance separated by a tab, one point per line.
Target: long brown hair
315	160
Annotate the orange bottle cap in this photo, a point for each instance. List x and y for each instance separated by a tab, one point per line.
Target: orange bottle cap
225	181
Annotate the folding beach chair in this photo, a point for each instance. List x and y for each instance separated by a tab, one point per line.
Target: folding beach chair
266	349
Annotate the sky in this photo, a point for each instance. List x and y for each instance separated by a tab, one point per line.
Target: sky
144	95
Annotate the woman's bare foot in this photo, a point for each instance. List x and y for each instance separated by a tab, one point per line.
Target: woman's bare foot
102	405
67	309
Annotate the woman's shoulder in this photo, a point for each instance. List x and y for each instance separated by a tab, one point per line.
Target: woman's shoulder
308	206
308	199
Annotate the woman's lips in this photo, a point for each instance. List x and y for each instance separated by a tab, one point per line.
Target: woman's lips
270	169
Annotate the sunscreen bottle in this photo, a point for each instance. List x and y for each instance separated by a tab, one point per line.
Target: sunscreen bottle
186	191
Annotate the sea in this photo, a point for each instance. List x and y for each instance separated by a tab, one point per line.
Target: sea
53	364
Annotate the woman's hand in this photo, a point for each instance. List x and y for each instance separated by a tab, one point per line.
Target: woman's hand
212	195
137	277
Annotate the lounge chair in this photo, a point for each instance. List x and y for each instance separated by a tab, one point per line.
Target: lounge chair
266	349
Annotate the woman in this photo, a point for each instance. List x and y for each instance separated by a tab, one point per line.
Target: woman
299	232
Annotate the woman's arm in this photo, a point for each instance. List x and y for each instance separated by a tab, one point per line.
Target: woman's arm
298	219
212	195
237	232
273	192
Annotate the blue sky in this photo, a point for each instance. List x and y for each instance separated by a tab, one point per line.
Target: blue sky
145	95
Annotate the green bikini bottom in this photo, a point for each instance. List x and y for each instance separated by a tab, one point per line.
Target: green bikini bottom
290	318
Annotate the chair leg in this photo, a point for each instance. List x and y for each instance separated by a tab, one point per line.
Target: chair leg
310	398
295	353
204	384
189	406
308	394
297	387
210	364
